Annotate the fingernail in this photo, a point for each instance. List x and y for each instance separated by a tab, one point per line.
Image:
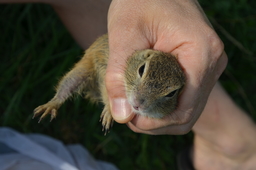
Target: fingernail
121	109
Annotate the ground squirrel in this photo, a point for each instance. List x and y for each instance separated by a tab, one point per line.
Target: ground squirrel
153	81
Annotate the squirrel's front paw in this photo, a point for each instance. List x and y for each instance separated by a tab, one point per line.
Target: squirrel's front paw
49	108
106	119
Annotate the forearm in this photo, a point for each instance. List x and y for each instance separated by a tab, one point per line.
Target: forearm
85	19
222	118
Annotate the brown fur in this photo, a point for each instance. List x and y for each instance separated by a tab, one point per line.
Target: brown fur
162	75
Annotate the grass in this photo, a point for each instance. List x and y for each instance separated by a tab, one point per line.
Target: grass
36	50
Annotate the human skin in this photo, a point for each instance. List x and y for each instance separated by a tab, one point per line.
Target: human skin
224	135
178	27
86	20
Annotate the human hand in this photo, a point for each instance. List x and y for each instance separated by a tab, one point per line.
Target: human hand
176	26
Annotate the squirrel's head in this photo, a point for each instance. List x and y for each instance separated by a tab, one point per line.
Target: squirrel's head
153	81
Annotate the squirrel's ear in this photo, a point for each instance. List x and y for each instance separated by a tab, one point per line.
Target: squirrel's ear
148	52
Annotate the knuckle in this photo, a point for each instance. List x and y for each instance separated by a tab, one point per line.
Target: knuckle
217	46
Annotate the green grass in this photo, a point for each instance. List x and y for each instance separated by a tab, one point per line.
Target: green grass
36	50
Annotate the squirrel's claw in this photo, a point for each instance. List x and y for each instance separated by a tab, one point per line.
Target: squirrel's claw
45	110
106	119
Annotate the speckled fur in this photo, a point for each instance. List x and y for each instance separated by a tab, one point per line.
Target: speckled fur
162	75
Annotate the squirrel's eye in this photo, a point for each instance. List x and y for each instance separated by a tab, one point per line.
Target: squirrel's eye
171	94
141	70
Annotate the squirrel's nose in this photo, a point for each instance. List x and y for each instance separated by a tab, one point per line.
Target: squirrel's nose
138	104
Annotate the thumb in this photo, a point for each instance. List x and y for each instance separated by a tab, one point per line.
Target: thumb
119	105
120	48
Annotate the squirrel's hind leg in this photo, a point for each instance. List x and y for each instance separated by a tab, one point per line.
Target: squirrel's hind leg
73	82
